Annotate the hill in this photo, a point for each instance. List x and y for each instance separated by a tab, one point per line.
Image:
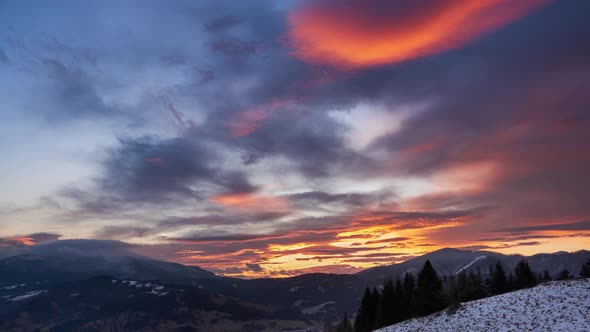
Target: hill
554	306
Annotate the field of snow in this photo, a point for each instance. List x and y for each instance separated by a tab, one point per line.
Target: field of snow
555	306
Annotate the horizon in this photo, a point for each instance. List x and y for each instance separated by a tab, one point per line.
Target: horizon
264	139
104	248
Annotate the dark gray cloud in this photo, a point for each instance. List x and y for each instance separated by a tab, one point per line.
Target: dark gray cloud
234	47
314	143
254	267
153	170
320	197
220	219
122	232
157	172
75	92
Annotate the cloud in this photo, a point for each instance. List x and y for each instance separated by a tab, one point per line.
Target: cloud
75	93
248	121
575	226
154	171
314	143
247	158
254	267
221	219
28	240
222	23
250	202
348	199
234	47
369	33
122	232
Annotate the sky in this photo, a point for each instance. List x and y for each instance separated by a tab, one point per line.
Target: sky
269	138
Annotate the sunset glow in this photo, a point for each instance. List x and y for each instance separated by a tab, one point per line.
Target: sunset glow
275	138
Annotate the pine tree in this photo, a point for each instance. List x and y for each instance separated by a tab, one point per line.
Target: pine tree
428	297
546	276
498	283
362	321
510	282
585	271
564	275
460	285
524	277
399	309
467	287
344	325
477	290
375	297
408	295
385	312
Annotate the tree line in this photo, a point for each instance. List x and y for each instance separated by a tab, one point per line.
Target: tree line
427	293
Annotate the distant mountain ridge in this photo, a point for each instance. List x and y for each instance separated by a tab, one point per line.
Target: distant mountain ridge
449	261
82	259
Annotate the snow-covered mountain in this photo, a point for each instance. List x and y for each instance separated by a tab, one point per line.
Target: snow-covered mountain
555	306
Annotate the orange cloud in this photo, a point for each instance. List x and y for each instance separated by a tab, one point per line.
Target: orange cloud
356	34
19	240
251	202
359	241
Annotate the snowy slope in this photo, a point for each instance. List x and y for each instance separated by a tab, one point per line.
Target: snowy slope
556	306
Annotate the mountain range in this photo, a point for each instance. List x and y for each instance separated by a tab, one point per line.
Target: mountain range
90	285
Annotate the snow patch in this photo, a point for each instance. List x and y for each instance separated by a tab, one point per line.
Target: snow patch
13	286
471	263
26	296
297	303
317	309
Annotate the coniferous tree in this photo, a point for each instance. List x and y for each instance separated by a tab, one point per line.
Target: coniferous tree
510	282
428	297
385	311
375	297
499	282
585	271
398	303
408	295
524	277
564	275
467	287
344	325
362	321
477	288
460	285
546	276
